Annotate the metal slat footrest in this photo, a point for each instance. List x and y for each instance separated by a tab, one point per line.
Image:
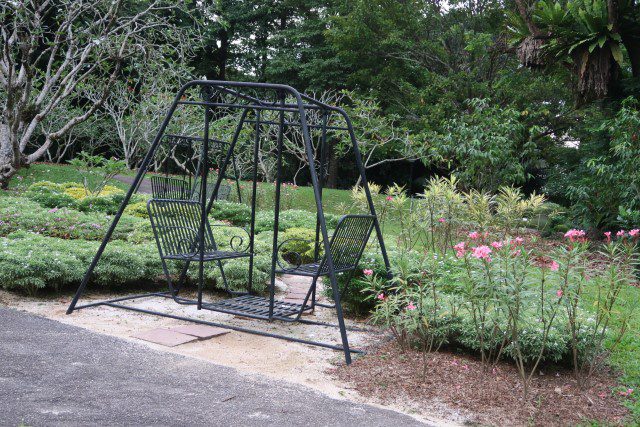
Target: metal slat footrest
255	307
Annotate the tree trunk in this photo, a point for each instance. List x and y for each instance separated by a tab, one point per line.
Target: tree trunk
332	171
9	162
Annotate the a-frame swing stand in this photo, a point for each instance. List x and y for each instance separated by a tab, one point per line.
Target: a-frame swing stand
184	234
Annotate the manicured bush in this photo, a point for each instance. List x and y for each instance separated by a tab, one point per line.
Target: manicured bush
73	195
19	213
50	195
235	213
237	273
138	209
298	245
29	262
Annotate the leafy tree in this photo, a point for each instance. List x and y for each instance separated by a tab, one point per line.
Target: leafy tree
136	106
381	138
51	49
599	178
589	36
486	146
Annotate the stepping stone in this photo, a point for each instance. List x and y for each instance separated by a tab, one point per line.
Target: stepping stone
201	331
165	337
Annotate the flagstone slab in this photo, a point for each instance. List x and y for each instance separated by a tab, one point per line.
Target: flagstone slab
164	337
200	331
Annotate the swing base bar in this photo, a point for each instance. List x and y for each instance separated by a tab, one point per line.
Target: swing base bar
115	303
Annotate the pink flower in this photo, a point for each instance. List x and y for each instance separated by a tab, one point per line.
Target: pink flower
381	296
635	232
442	220
621	233
626	392
554	266
482	252
474	235
460	249
575	235
608	235
389	198
367	272
519	240
559	293
410	306
496	245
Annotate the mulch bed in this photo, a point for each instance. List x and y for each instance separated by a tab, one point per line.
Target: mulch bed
491	397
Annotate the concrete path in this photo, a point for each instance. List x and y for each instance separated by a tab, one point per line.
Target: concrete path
56	374
145	185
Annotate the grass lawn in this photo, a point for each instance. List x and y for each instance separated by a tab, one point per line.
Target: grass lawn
54	173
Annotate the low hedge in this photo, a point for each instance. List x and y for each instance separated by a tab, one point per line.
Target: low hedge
72	195
30	262
19	213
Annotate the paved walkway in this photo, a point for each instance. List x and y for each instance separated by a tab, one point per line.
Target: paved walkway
145	185
56	374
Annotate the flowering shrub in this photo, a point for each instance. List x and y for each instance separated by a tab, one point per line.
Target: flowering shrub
499	299
438	217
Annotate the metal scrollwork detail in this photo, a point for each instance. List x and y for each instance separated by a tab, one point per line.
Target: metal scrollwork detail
292	258
237	247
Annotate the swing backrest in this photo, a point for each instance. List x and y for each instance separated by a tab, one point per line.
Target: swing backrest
348	242
176	226
223	191
165	187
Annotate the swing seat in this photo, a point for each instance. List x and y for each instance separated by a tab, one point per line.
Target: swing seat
256	307
176	227
346	246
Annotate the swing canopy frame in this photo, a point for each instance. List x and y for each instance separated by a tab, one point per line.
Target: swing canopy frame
179	209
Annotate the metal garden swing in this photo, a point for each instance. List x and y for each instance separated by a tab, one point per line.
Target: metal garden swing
180	206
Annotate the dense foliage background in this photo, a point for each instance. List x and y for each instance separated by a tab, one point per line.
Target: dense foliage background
533	94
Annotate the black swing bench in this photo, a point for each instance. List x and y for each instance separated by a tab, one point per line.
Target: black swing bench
176	223
180	207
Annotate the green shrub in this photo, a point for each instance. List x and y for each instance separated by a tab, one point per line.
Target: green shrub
138	209
298	245
235	213
140	232
237	273
29	262
231	238
73	195
18	213
50	195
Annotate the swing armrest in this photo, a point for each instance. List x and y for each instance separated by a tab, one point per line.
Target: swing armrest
294	258
239	241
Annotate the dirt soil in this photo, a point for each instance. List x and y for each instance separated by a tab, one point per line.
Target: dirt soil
459	383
